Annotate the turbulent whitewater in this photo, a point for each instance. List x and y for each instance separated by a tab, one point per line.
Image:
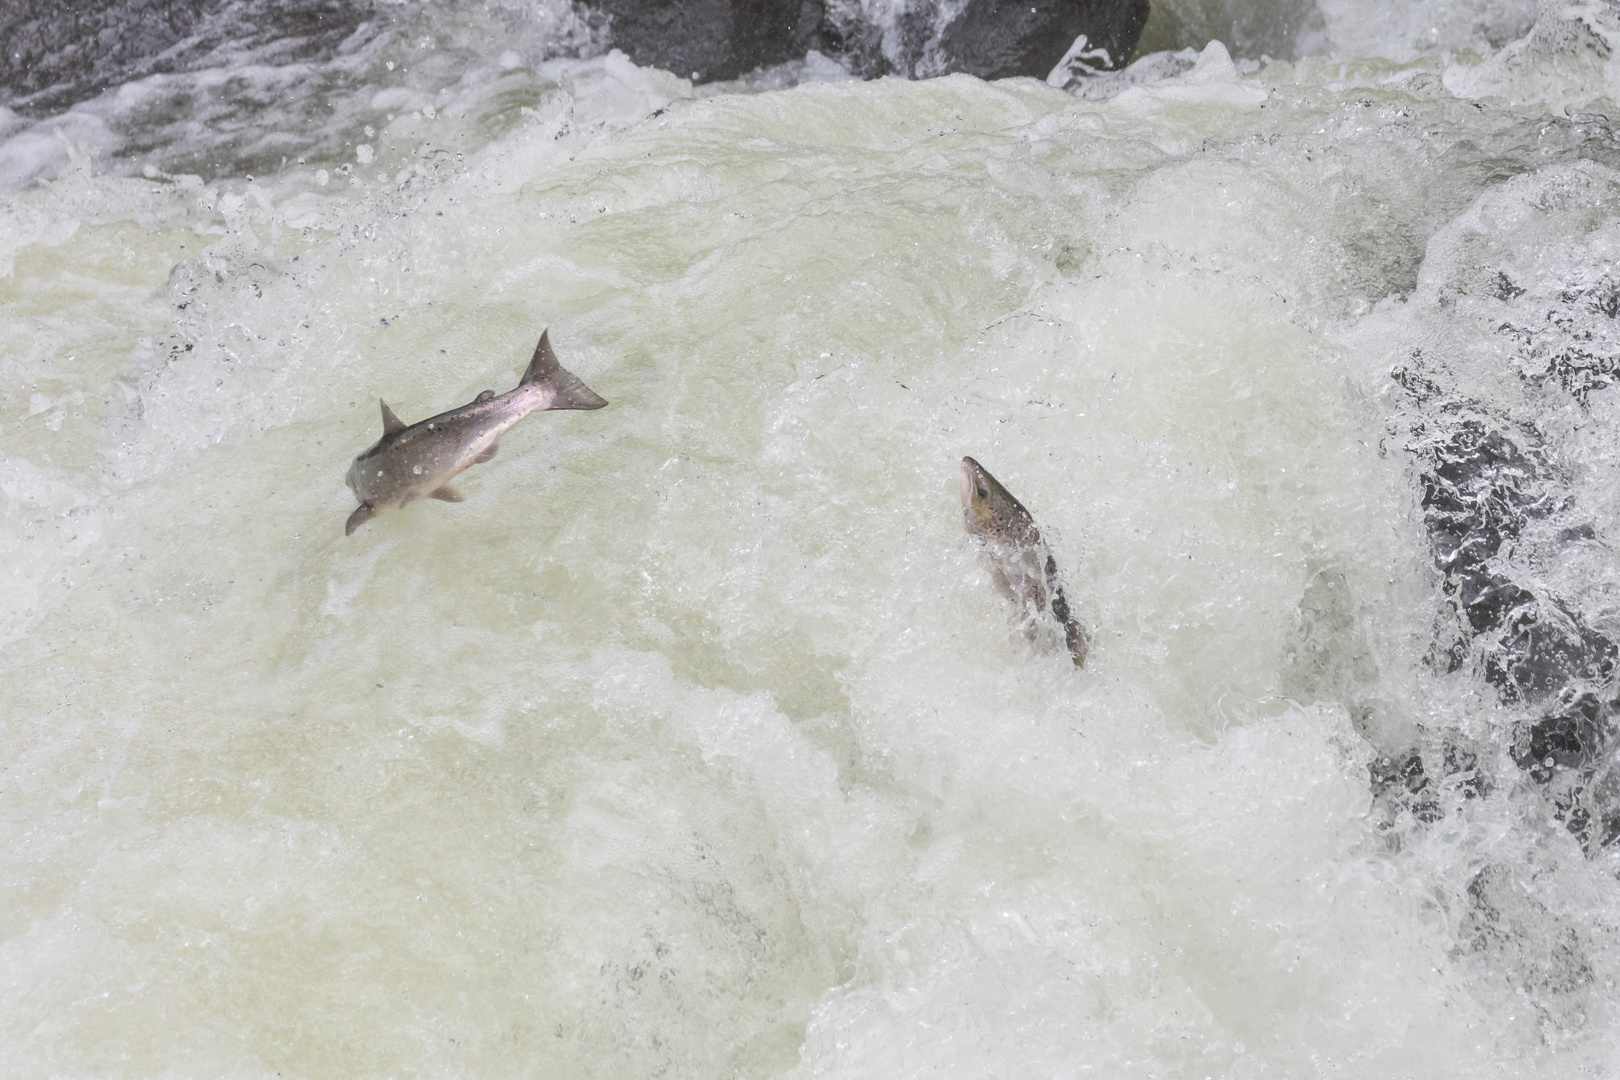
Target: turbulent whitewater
694	742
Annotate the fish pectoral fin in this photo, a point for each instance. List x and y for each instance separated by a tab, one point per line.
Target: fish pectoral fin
447	494
487	454
362	514
391	423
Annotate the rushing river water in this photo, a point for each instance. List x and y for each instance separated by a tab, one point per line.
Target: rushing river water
694	743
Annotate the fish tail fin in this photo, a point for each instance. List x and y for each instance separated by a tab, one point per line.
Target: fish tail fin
571	393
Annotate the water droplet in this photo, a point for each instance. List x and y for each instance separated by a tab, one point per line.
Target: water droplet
417	469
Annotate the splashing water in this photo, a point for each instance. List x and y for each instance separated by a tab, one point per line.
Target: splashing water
694	742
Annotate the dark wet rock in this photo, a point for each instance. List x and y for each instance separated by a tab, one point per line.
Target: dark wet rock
1487	481
1568	737
992	39
709	40
1406	782
1560	347
1504	428
1277	28
1484	479
86	45
1504	918
996	39
59	53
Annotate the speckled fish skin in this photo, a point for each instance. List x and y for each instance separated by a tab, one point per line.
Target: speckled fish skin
418	461
1018	559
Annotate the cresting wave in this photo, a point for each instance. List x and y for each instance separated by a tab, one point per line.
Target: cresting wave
694	742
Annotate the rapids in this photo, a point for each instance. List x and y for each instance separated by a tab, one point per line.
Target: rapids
694	743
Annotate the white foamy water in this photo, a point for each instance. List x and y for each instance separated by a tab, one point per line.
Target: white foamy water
694	742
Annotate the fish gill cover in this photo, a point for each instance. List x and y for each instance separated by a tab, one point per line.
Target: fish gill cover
693	742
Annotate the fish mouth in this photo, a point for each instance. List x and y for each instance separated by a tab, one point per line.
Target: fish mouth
967	483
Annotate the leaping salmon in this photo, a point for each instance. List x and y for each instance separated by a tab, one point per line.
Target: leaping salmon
1017	558
419	460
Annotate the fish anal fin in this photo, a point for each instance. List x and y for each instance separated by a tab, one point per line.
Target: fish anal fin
391	423
487	454
362	514
1078	641
447	494
1074	635
569	391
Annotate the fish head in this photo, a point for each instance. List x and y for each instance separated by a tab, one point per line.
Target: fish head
988	509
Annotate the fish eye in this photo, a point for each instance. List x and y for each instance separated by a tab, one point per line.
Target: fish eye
983	494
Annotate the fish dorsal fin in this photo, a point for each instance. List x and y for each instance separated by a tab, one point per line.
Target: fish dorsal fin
544	361
571	392
391	423
485	396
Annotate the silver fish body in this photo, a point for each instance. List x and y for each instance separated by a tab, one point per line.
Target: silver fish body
418	461
1019	561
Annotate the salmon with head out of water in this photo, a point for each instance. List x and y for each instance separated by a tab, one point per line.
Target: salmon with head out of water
418	461
1018	560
